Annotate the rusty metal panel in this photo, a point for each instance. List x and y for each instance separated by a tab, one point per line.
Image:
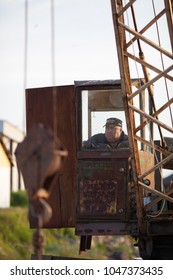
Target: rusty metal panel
160	228
169	143
94	228
40	109
102	189
98	197
147	162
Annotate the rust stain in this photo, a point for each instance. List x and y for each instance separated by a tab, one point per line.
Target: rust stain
98	197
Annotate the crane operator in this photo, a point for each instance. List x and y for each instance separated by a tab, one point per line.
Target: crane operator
113	138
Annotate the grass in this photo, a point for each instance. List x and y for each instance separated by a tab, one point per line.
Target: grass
15	236
16	240
19	198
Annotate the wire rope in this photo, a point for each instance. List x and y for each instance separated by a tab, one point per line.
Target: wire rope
25	76
53	70
161	55
53	41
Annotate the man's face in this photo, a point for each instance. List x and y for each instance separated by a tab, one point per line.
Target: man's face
112	133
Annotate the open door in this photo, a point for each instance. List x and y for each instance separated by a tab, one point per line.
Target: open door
40	108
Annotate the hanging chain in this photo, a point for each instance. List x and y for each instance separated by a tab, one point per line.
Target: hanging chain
42	212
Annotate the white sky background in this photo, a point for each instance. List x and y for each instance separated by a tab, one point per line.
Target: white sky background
85	47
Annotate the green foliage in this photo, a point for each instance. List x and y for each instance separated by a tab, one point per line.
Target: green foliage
19	198
16	240
15	235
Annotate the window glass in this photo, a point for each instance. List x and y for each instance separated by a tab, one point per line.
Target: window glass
97	107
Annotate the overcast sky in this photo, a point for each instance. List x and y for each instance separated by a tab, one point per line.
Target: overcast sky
84	47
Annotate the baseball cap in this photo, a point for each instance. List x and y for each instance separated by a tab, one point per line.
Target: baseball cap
113	122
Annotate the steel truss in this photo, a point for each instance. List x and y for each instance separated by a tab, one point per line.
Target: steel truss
125	27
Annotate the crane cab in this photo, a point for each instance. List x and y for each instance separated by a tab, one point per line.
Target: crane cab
105	196
94	192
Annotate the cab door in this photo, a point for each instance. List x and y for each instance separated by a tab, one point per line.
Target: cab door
55	108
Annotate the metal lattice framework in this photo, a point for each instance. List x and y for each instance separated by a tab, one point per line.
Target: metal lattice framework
138	31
